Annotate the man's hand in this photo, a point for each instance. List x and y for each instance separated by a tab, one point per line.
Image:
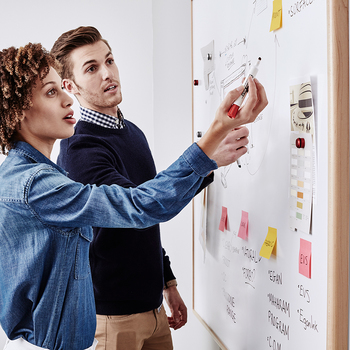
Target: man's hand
232	147
177	308
223	124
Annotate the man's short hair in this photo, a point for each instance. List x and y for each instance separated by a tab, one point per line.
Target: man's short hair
70	41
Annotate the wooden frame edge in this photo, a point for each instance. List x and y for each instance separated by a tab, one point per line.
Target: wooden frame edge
212	333
338	175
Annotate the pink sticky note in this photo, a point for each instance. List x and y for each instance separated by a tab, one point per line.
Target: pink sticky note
223	220
243	227
305	258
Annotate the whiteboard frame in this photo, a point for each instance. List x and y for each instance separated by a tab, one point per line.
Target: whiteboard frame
338	175
338	178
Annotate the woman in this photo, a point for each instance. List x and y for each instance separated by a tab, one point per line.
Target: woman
46	296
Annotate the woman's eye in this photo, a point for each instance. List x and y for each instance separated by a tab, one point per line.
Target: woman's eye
51	92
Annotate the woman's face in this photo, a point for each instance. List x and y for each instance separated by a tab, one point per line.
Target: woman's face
50	118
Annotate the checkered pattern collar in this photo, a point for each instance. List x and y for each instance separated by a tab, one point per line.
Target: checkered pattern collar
101	119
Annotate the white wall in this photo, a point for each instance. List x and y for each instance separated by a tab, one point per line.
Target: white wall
152	47
126	24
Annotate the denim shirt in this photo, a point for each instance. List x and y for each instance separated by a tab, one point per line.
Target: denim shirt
46	293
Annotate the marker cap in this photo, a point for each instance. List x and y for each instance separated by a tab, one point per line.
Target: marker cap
233	111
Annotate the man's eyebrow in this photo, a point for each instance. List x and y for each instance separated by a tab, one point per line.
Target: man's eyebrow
88	62
94	61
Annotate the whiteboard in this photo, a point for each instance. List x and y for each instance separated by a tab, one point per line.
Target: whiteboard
247	301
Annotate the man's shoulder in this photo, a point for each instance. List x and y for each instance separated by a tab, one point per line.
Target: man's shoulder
132	125
83	130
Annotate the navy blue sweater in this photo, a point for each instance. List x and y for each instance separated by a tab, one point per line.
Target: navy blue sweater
129	266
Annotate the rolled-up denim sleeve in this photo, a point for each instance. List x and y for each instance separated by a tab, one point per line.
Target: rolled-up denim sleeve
59	201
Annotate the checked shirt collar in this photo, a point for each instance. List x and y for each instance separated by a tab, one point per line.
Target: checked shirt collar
101	119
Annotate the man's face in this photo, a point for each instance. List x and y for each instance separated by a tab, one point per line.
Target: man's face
96	81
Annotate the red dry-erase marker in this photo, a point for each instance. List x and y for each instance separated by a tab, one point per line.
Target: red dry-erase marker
235	107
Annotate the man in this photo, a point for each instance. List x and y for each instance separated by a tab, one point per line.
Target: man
130	269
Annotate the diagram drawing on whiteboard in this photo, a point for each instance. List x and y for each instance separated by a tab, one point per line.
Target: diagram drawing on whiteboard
226	65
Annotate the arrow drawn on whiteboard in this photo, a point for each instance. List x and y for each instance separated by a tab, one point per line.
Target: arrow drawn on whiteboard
250	25
249	284
276	41
244	40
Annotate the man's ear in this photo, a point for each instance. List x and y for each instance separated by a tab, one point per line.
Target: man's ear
70	86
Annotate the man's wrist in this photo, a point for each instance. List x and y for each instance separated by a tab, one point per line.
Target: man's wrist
171	283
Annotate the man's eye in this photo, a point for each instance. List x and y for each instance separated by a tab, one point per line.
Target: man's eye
90	69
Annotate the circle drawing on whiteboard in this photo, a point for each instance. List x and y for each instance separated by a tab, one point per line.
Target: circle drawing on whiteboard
259	130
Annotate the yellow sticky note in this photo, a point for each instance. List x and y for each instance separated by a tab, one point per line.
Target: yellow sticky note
269	244
276	21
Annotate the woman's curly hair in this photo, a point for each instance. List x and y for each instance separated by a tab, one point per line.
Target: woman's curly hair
20	68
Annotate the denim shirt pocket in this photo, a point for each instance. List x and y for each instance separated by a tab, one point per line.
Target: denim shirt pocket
82	265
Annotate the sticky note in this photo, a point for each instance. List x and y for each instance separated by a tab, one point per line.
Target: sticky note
243	227
305	258
269	244
223	220
276	21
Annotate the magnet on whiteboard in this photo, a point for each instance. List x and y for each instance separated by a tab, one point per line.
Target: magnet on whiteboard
199	134
300	142
195	82
208	60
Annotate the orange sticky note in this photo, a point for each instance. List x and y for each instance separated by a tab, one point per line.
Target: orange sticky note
305	258
276	21
223	220
269	244
243	227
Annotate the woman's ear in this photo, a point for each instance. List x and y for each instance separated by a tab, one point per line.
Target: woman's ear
23	115
19	127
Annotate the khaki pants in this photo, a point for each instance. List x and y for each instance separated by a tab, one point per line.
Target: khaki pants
144	331
21	344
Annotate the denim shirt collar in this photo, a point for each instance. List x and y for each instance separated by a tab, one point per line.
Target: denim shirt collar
29	151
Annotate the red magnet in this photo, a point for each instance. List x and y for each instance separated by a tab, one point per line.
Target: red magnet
195	82
300	142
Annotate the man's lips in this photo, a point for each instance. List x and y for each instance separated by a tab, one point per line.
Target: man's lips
111	87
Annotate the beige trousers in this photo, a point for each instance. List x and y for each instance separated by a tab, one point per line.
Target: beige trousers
144	331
